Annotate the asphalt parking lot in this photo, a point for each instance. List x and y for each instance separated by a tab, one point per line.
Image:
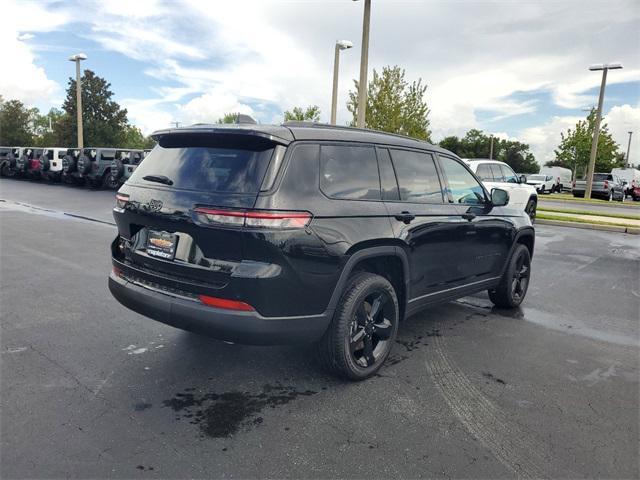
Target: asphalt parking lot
92	390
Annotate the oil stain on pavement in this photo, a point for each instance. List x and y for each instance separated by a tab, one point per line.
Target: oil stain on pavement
221	415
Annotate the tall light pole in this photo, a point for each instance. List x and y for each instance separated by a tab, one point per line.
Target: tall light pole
596	132
340	45
628	149
364	65
491	151
78	58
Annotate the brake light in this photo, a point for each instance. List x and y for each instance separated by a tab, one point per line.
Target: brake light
253	218
573	184
225	303
606	184
121	200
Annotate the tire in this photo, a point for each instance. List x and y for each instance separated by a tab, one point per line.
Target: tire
530	209
4	169
356	345
511	291
84	164
109	182
45	164
69	164
117	169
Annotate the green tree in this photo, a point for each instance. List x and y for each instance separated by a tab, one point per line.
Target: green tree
477	144
134	138
452	143
575	148
228	118
104	121
393	104
44	127
310	114
16	123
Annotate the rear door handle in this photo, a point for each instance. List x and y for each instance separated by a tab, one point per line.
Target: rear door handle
406	217
469	216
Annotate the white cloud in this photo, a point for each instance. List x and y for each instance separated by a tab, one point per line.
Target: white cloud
210	107
22	78
543	139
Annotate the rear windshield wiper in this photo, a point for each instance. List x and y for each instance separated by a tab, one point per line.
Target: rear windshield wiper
158	179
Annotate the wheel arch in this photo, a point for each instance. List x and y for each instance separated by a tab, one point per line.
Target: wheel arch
389	261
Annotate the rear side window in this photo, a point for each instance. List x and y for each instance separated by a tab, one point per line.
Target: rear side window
417	177
211	163
349	172
388	182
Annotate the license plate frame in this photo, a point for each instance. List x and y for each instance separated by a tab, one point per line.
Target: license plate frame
162	244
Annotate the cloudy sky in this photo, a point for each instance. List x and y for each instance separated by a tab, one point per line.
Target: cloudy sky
513	68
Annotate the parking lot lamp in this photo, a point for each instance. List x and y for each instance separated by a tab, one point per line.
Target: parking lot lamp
78	58
596	131
628	149
364	65
340	45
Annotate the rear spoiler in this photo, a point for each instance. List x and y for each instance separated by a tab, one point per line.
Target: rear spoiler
230	129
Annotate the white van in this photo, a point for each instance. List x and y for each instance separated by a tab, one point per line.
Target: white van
629	175
563	177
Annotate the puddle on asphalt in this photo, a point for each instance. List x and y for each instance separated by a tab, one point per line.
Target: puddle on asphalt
221	415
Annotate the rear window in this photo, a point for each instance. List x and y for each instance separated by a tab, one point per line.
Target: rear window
601	177
212	163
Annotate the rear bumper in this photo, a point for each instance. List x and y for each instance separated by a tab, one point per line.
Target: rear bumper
233	326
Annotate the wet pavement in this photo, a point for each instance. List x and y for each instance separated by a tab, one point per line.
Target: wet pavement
90	389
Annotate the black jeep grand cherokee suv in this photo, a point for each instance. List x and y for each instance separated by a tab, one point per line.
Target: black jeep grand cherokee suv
310	233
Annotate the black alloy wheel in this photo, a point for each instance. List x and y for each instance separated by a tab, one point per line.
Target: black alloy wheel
363	329
514	284
370	329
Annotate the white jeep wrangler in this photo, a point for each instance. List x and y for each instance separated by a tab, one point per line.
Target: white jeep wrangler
51	163
495	174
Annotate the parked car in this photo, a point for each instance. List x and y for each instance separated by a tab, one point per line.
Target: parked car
495	174
563	177
24	162
304	232
542	183
5	160
629	175
70	166
635	193
33	166
605	186
8	166
51	163
122	168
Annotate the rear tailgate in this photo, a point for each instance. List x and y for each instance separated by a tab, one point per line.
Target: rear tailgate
166	236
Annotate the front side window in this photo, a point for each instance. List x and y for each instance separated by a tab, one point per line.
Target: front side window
417	177
349	172
509	175
463	187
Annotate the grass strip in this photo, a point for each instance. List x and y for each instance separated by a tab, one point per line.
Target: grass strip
547	216
595	201
628	216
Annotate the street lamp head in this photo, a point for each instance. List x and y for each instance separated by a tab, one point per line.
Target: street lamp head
606	66
344	44
78	56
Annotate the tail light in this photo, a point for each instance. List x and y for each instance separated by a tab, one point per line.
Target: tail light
606	184
121	200
225	303
573	184
253	218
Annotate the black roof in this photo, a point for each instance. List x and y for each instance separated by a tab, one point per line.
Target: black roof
290	131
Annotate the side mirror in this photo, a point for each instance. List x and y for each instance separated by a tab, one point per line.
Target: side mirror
523	179
499	197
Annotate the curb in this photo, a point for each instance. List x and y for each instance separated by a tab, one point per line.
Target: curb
591	226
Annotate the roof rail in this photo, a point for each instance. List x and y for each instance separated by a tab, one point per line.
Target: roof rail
297	123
